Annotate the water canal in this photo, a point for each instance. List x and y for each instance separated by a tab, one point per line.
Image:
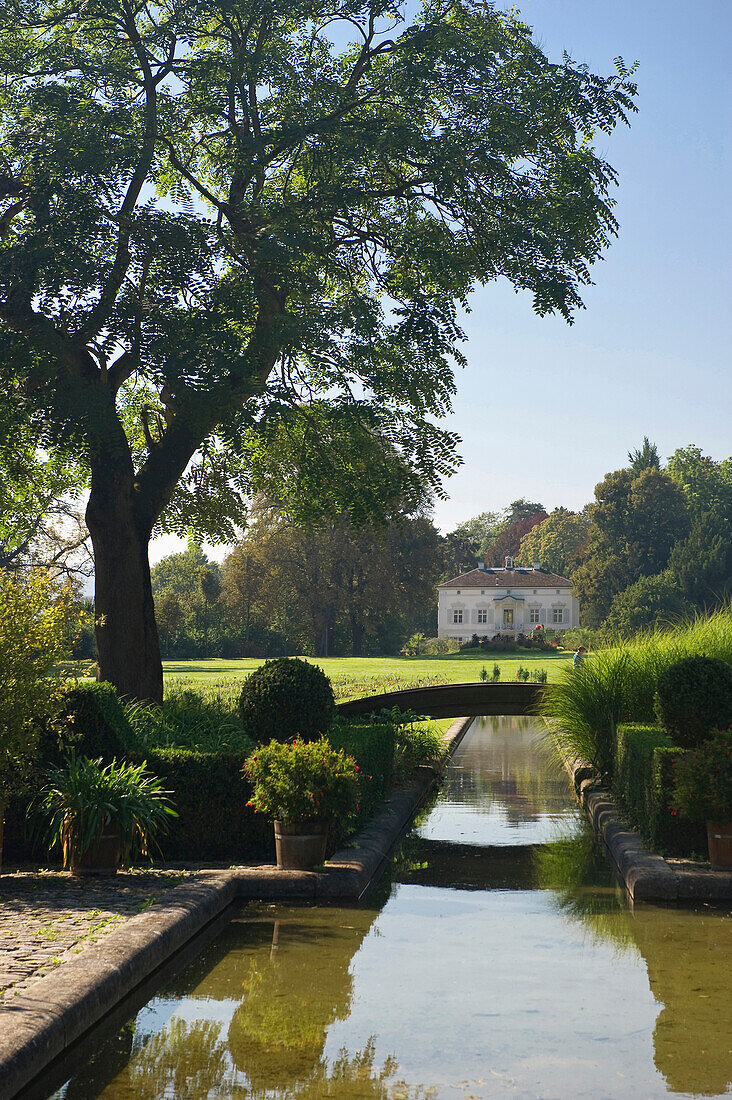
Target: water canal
500	959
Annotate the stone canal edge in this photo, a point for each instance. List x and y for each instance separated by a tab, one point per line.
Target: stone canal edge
646	876
41	1022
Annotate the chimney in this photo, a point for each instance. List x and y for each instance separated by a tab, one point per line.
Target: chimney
537	566
509	562
481	565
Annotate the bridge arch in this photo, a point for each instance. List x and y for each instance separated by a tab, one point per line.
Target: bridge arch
453	700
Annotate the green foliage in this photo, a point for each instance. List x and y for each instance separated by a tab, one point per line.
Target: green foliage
299	338
284	698
643	783
211	796
645	457
33	616
88	719
649	602
373	747
706	483
694	696
186	720
703	788
416	743
555	542
303	780
587	703
190	617
619	684
85	798
635	522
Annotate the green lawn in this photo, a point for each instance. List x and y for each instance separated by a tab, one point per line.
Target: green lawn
356	676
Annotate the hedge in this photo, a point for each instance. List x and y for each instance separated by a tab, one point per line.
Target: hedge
88	718
642	784
373	748
210	795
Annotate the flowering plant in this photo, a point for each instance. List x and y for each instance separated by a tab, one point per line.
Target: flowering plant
703	780
303	780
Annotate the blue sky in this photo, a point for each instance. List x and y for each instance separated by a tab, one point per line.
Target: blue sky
545	410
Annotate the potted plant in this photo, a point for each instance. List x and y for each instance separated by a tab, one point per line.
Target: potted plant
302	786
703	793
101	815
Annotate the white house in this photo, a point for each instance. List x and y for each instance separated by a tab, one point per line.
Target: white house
509	601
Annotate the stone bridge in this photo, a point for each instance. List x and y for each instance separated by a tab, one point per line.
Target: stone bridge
454	700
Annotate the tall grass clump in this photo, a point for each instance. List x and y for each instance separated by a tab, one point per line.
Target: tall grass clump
618	684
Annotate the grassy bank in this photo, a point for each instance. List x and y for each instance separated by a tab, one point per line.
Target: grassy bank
353	677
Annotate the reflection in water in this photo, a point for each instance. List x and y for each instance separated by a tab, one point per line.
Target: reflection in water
502	788
687	954
500	961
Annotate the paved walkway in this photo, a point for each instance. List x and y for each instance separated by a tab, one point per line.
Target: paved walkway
48	917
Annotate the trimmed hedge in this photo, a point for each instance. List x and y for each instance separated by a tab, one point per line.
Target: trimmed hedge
693	697
90	719
642	784
374	750
286	698
210	794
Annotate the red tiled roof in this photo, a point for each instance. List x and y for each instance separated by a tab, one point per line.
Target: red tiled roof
507	578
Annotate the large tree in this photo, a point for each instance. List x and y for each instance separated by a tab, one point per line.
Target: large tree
555	542
634	524
232	224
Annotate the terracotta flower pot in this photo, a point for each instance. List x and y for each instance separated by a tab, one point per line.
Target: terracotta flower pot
101	858
300	845
719	839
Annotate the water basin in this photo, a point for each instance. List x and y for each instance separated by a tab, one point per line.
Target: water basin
499	959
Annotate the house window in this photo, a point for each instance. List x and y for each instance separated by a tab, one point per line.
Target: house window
558	615
508	616
482	615
534	615
457	615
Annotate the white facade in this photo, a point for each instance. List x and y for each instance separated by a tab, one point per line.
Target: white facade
505	601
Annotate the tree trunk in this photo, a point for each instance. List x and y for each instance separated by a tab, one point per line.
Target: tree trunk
127	636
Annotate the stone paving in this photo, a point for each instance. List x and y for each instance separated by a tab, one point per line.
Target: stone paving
48	917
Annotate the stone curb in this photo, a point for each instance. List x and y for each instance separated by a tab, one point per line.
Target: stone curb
40	1023
647	876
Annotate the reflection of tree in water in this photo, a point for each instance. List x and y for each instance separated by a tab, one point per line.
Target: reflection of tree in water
687	954
185	1061
294	989
576	870
189	1062
508	761
688	957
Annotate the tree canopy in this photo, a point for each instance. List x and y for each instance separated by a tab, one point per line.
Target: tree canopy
235	237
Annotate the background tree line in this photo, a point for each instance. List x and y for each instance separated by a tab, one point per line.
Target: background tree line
654	545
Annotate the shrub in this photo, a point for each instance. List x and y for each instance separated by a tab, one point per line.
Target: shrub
187	720
703	787
305	780
88	719
643	784
285	698
210	794
373	747
694	696
33	621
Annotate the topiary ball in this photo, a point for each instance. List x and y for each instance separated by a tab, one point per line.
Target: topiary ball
693	697
284	698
